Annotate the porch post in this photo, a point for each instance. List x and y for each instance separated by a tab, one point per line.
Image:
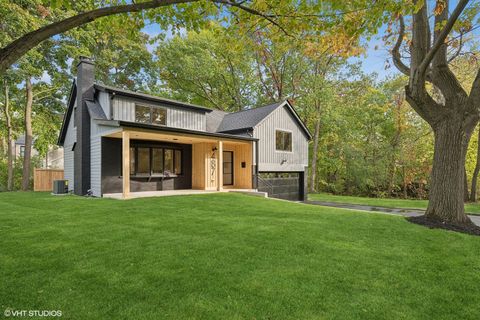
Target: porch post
220	166
126	164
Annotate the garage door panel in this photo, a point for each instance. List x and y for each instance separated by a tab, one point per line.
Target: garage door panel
282	185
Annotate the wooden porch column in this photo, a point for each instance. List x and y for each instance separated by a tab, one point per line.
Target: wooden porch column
220	166
126	163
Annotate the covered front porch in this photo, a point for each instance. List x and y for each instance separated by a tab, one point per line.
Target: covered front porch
160	163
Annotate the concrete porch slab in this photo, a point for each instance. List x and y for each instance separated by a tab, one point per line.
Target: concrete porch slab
147	194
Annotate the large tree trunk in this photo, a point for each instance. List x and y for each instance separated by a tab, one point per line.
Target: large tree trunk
448	172
473	191
10	142
27	159
465	186
313	171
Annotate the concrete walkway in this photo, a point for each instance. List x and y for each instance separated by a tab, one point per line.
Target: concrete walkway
395	211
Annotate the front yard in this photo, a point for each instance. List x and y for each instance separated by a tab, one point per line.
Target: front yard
228	256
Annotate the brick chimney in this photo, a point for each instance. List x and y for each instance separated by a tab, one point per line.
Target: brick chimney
85	91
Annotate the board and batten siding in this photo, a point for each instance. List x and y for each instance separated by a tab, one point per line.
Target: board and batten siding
270	160
124	109
104	101
70	139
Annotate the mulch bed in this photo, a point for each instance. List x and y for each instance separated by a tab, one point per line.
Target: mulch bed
438	224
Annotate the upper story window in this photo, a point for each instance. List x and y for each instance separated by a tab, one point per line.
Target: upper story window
283	140
150	115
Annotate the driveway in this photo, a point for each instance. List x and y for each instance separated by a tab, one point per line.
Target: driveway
394	211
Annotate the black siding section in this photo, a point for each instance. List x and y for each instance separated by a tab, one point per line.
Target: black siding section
112	168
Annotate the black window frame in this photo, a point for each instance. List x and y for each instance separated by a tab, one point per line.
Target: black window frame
285	134
151	173
151	108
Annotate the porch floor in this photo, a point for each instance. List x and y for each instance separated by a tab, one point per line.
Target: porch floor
145	194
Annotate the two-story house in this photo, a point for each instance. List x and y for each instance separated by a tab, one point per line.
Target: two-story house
120	141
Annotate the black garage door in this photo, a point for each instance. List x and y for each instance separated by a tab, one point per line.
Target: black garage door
282	185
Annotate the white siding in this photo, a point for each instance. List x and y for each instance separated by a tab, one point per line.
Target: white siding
269	158
124	109
70	138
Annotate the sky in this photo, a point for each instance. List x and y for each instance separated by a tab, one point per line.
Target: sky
373	61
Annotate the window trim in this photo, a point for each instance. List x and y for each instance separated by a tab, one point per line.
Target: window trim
275	135
151	108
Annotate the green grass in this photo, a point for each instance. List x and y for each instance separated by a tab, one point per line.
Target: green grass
381	202
228	256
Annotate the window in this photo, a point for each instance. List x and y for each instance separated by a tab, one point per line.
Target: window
168	169
178	162
22	151
143	156
155	161
159	116
142	114
132	160
151	115
283	140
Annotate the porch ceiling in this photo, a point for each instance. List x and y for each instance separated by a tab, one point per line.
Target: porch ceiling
173	137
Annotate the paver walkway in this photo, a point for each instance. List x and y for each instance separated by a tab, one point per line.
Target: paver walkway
395	211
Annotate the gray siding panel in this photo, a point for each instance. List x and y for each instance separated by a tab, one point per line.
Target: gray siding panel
96	166
68	158
104	100
124	109
269	158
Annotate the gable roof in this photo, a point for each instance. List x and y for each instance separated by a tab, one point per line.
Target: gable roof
149	97
250	118
246	119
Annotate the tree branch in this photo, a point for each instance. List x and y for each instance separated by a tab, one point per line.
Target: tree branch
268	17
16	49
397	59
440	39
19	47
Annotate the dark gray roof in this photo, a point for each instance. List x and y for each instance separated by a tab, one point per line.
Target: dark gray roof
145	96
95	110
246	119
214	119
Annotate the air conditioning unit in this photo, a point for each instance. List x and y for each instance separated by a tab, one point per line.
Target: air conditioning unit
60	186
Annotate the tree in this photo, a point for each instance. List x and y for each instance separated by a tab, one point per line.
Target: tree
10	141
453	117
210	67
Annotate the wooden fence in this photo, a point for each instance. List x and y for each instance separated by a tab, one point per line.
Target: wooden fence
43	178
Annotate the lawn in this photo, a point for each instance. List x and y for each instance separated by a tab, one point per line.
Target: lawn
228	256
381	202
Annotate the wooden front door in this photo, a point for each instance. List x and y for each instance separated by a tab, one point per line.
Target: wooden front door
227	168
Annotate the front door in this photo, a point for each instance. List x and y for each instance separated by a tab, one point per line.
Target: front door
227	168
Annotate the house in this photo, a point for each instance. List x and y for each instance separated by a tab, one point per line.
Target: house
120	142
52	160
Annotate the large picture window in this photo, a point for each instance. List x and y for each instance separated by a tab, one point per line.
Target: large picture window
283	140
153	161
150	115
